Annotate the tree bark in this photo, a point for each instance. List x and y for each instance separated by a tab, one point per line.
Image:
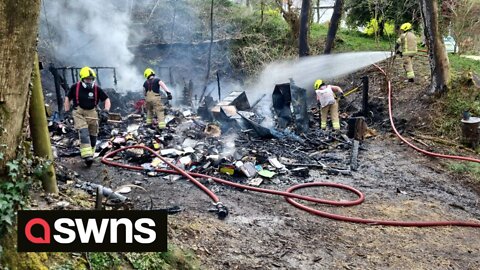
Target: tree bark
291	17
209	61
18	33
262	9
439	65
334	23
39	130
303	49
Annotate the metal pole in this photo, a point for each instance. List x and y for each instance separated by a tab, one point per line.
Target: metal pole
115	77
365	96
98	77
73	76
219	89
58	92
65	84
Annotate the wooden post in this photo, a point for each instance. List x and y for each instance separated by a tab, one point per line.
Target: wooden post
365	96
354	156
99	198
39	130
470	132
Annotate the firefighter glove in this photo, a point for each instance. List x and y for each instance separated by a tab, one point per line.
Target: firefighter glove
104	116
169	96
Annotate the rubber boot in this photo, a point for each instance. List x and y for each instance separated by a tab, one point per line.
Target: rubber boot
93	142
88	161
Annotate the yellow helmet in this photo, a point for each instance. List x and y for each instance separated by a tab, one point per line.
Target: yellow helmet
148	72
406	26
86	72
317	84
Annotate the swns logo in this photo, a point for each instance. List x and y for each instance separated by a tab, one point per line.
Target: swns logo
85	231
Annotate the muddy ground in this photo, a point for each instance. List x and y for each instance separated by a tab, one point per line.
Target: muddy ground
265	232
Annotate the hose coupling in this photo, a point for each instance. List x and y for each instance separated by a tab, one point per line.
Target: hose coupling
220	209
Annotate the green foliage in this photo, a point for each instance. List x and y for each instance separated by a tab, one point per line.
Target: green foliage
372	28
174	258
348	40
360	12
104	260
461	97
21	174
262	42
461	64
471	168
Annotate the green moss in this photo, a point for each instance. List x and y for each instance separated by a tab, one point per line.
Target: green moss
13	260
175	258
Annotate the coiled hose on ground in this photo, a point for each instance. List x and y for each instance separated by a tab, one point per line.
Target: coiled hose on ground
290	196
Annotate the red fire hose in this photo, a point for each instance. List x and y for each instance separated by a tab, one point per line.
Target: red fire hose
290	196
428	153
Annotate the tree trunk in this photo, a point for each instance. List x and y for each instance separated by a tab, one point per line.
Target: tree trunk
39	129
18	28
291	17
334	23
209	61
381	27
262	9
437	54
318	11
303	49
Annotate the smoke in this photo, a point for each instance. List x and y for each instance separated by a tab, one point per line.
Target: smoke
304	72
228	143
91	33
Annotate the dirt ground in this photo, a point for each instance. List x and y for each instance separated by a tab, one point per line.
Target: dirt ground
265	232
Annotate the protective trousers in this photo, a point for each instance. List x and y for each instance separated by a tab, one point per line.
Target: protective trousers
408	66
333	109
86	122
154	105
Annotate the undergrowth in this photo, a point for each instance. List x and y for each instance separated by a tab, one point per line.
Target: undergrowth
470	168
462	96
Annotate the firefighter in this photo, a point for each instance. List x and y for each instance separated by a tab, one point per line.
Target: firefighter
326	98
406	47
153	98
85	96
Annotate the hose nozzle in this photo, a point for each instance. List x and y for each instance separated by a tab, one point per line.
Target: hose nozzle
220	209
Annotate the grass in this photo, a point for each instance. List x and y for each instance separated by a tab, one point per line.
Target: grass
462	64
348	40
461	97
470	168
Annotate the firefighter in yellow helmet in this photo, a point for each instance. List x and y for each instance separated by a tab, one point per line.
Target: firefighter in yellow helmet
85	96
406	47
326	97
153	98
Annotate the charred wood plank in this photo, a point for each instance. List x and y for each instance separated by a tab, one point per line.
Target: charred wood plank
354	156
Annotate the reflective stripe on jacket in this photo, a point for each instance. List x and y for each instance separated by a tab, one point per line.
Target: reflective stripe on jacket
408	43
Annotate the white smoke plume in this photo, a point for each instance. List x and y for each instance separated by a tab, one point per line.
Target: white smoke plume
91	33
304	72
228	143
